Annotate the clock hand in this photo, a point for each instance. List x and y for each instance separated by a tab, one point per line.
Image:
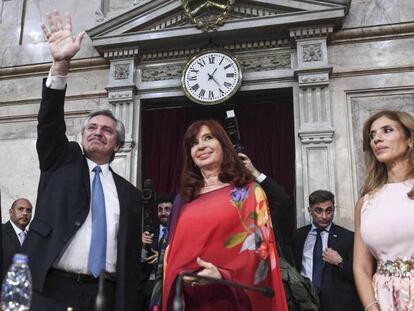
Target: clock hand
216	81
211	76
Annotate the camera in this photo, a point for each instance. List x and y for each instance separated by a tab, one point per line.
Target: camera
232	129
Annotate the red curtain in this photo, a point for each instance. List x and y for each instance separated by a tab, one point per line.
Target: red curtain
266	131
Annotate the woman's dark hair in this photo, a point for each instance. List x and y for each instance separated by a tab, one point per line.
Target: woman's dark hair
232	169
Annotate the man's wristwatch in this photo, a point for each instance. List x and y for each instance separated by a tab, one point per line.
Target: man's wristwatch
340	265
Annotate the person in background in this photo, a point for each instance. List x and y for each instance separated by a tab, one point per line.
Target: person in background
282	212
221	230
14	231
151	248
323	253
384	215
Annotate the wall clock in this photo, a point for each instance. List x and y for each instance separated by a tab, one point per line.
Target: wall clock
211	77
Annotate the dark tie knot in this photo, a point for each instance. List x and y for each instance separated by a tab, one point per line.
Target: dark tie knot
97	169
319	230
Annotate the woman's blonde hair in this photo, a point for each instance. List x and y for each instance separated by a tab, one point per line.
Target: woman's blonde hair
376	172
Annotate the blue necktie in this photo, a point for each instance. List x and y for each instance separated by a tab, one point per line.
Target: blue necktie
97	251
317	260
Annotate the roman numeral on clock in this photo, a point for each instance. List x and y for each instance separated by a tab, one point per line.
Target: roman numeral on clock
227	85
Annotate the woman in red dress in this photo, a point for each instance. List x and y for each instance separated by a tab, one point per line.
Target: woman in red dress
222	230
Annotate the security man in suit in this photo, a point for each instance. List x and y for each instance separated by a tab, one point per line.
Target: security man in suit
323	253
87	217
150	250
282	212
14	231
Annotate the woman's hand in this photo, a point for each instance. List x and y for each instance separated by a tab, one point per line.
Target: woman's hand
208	269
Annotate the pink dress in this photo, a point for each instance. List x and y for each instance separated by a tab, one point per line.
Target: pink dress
387	228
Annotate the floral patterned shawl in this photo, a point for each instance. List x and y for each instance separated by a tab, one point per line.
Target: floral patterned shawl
231	228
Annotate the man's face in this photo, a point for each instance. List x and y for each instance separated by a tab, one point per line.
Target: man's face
322	214
21	214
164	210
99	139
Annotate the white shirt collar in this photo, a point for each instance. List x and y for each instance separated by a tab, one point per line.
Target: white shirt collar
92	165
327	229
16	229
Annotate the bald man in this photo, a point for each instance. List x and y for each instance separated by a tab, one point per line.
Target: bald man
14	231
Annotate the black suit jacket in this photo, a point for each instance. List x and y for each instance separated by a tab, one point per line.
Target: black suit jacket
338	291
63	202
11	245
283	215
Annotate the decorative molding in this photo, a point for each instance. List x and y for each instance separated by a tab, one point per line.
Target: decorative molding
209	14
312	52
121	53
311	32
40	69
236	47
162	72
313	79
368	33
240	11
268	62
317	137
121	71
250	63
124	95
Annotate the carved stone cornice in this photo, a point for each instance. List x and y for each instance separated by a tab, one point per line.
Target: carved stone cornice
312	77
121	53
120	94
36	69
316	137
236	47
319	31
249	63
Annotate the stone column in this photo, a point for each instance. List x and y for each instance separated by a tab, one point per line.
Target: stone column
313	120
121	97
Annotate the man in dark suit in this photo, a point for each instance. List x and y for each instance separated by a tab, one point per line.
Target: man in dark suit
87	217
14	231
323	253
282	212
150	251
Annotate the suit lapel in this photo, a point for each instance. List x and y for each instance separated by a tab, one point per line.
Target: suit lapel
12	234
302	242
123	213
86	179
333	236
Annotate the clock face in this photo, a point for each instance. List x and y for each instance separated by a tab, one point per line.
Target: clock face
211	77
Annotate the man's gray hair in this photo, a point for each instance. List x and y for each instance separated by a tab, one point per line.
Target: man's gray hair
119	127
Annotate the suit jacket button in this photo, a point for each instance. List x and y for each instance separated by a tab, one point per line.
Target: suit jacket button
65	240
77	223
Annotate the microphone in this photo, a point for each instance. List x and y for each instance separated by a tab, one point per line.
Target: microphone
178	304
100	297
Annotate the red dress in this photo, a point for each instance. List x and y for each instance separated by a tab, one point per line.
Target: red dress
231	228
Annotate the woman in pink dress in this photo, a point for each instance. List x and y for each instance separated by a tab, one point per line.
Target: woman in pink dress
222	230
384	215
